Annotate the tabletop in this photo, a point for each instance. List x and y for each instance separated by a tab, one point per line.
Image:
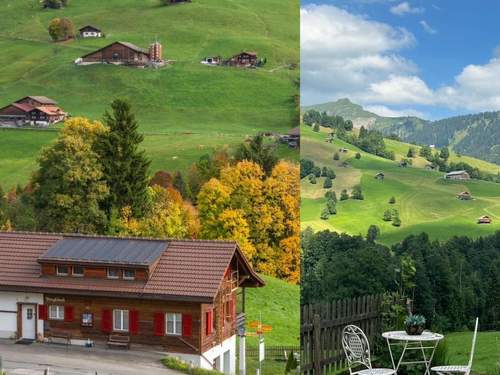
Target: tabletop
403	336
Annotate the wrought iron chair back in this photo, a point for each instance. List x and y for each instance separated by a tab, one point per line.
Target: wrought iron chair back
356	347
473	349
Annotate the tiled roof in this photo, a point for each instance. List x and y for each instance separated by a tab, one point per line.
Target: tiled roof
187	269
40	99
23	106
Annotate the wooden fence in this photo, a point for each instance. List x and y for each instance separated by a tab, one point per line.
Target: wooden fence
321	331
274	352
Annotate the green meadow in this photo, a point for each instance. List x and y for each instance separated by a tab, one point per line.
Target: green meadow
185	109
425	201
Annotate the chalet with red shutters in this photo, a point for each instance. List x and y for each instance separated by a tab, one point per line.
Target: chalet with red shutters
185	297
243	60
32	110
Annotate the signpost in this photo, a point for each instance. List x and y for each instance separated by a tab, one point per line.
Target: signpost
260	329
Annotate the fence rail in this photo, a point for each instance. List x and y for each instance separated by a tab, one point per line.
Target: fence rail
321	330
273	352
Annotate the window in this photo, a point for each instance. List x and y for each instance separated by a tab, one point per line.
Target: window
174	324
129	274
120	320
77	271
56	312
87	319
62	270
113	273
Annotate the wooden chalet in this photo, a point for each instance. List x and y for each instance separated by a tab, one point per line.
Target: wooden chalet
125	53
90	31
32	110
484	220
185	297
243	60
457	175
380	176
464	196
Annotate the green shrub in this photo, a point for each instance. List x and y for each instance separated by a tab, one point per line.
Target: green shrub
331	196
343	195
396	221
328	183
392	200
387	215
332	207
358	155
357	193
325	214
176	364
312	178
336	156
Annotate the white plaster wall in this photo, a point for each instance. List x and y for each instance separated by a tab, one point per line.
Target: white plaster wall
8	319
208	357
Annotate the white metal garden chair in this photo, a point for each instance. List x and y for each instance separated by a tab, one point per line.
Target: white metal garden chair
357	351
448	370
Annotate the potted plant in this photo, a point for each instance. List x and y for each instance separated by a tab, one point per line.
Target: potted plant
415	324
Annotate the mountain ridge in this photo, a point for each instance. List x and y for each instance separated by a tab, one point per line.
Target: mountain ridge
476	135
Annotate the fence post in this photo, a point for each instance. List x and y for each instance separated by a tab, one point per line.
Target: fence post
318	369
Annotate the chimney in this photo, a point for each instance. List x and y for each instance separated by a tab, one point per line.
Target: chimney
155	52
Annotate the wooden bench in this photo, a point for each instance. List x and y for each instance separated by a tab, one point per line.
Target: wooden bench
119	341
59	335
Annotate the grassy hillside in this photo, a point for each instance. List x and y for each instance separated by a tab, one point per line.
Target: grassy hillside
185	108
426	202
487	351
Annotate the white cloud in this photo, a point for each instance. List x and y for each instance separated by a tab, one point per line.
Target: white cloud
427	28
405	8
385	111
476	88
343	53
398	89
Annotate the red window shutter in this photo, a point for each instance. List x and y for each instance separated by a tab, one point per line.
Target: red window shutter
107	321
134	322
159	324
68	313
187	325
209	321
42	312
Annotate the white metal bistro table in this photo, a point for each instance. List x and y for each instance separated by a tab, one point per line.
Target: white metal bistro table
426	343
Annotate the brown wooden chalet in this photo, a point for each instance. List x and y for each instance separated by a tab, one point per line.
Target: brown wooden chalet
457	175
484	220
243	59
32	110
90	31
464	196
124	53
185	296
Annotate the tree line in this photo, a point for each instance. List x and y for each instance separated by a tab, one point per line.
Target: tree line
449	282
95	178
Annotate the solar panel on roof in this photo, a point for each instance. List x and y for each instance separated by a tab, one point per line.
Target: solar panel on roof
106	250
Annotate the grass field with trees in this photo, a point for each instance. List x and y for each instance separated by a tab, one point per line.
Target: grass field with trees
185	109
424	200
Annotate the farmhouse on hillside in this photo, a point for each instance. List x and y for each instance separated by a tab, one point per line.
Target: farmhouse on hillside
430	166
90	31
380	176
212	60
484	220
124	53
243	60
457	175
32	110
179	296
464	196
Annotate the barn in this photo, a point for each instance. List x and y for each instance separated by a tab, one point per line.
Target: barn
457	175
90	31
184	297
243	60
125	53
32	110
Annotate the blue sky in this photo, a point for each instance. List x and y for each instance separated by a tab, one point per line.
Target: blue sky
429	58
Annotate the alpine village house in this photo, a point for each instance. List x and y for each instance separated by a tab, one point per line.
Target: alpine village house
177	295
32	110
125	53
90	31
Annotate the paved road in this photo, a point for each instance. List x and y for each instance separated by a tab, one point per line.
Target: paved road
35	358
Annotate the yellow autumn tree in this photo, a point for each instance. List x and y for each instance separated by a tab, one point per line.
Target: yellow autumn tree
261	213
169	216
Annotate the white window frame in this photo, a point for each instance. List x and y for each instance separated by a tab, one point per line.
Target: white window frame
128	277
62	273
113	277
177	319
56	312
77	274
122	327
